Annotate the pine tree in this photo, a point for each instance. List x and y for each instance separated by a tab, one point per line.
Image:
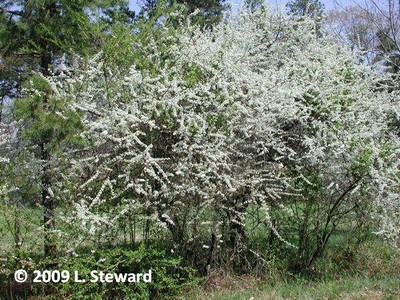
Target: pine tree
311	8
211	11
43	32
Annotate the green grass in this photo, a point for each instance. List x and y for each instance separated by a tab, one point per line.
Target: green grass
30	229
344	288
373	272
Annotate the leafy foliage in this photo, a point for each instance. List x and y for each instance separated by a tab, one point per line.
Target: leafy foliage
168	278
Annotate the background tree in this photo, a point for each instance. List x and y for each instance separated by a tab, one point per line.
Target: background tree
311	8
351	26
42	32
211	11
253	5
372	27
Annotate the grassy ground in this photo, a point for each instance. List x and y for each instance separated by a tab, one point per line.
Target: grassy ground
30	232
346	288
373	272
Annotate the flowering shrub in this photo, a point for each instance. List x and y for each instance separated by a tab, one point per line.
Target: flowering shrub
260	112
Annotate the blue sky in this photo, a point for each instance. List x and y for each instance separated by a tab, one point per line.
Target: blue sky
329	4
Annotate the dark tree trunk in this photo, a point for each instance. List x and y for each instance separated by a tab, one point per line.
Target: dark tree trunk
50	247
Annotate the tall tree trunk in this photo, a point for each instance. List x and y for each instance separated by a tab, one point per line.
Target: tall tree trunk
50	247
48	204
17	231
